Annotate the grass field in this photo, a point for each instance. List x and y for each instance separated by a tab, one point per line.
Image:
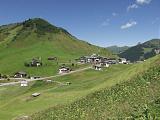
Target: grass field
16	101
135	99
20	43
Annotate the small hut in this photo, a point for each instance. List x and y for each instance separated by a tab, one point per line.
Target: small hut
36	94
52	58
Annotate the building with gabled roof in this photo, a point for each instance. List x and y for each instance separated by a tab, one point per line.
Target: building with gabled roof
64	69
24	83
20	74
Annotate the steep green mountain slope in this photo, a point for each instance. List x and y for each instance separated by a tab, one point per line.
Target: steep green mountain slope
37	38
115	49
141	51
138	98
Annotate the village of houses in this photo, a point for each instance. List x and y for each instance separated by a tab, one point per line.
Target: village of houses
95	61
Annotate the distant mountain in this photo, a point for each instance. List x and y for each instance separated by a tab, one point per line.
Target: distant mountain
116	49
36	37
141	51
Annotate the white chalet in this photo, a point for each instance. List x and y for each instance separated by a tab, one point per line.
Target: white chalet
122	61
64	70
104	64
24	83
98	67
157	51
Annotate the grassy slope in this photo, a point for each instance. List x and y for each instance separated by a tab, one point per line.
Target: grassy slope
24	43
138	98
16	101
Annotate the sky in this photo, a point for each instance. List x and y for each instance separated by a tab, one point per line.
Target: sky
100	22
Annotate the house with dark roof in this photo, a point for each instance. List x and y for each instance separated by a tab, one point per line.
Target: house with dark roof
20	74
104	64
52	58
82	60
34	63
97	67
94	58
112	61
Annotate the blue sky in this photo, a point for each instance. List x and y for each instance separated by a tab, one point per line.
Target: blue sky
100	22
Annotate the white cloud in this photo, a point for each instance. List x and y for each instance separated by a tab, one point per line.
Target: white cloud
137	4
133	6
129	24
105	23
141	2
114	14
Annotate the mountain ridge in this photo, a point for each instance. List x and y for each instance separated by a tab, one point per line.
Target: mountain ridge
116	49
38	38
142	51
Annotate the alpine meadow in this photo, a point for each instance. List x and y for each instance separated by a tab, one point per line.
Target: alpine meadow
80	60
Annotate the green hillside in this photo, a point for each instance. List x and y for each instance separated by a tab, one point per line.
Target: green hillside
116	49
16	101
33	38
119	92
136	98
141	51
